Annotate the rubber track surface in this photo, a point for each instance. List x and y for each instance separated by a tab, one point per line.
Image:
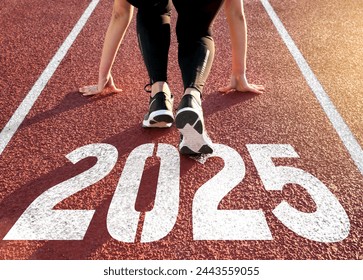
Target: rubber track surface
61	120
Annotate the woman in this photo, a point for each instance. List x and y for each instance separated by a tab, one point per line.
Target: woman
195	57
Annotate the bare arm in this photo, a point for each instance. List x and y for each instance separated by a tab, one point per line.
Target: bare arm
120	20
238	33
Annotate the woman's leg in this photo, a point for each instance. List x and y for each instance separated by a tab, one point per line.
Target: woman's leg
195	55
153	30
194	34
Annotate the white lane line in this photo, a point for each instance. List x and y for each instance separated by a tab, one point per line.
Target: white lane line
337	121
19	115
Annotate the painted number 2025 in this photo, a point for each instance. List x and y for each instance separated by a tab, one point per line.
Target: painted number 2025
329	223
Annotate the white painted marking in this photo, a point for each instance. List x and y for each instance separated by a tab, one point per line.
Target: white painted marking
329	223
40	222
162	218
19	115
123	219
210	223
337	121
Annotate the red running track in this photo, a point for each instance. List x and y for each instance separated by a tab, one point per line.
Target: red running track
288	114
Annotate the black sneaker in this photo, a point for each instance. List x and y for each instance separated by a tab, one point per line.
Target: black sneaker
190	122
160	111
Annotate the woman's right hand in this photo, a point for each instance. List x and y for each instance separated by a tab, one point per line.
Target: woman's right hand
102	88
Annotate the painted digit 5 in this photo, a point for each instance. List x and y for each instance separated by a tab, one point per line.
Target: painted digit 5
329	223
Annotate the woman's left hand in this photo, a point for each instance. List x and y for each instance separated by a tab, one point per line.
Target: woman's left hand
240	83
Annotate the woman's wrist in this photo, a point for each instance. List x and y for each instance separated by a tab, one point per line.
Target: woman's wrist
102	81
239	72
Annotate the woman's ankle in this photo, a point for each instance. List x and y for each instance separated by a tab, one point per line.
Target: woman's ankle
194	92
160	86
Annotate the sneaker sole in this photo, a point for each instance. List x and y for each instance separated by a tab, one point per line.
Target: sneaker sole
195	141
159	119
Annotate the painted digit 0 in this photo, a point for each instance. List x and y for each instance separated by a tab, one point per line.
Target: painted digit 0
122	218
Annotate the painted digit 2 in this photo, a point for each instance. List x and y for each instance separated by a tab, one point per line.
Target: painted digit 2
40	222
329	223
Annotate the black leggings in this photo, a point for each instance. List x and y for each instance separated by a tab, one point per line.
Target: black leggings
193	30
